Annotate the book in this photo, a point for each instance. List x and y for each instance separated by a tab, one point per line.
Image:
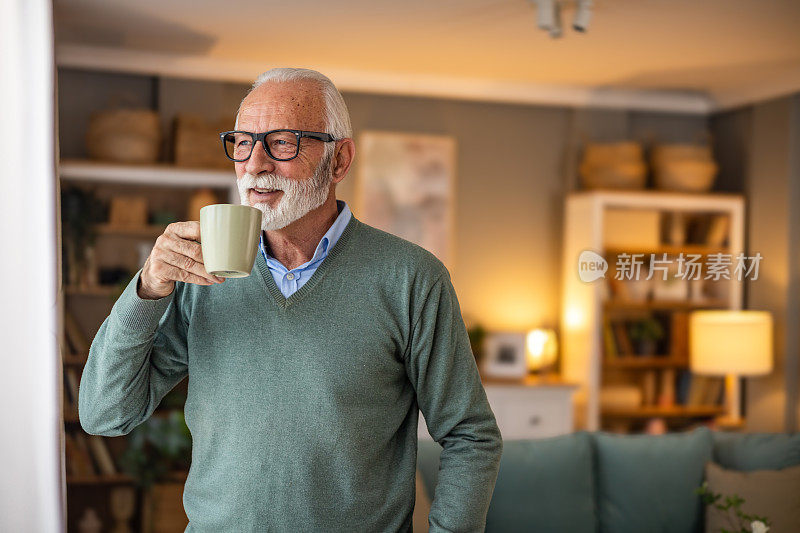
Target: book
697	390
697	229
101	455
70	453
679	327
623	340
666	394
610	344
78	461
718	229
649	385
76	339
683	381
714	391
73	385
67	400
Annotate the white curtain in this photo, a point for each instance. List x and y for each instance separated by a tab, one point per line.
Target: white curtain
31	480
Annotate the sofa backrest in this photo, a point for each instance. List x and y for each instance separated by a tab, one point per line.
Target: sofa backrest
756	451
589	482
544	482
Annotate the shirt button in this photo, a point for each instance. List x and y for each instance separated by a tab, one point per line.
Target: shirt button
290	276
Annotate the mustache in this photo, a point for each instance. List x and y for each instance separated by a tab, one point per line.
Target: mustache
265	181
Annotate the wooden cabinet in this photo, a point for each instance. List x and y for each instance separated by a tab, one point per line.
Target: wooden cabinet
527	409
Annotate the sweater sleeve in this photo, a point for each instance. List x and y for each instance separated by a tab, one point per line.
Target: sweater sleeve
138	355
450	395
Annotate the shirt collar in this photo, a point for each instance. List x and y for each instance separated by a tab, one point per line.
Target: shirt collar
327	241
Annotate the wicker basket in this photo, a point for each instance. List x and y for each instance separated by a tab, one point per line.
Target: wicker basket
124	136
684	167
197	142
613	166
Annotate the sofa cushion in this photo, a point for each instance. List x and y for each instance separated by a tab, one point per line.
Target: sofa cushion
647	482
774	494
756	451
544	485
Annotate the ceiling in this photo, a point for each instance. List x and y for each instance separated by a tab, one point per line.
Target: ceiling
732	51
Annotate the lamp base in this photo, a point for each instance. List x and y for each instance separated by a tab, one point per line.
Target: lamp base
732	399
544	372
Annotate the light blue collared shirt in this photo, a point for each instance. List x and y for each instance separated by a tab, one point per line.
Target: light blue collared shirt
290	281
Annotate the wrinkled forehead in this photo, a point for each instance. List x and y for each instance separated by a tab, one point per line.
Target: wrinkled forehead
273	105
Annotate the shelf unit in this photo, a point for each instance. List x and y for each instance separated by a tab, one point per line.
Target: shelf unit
587	306
89	305
158	175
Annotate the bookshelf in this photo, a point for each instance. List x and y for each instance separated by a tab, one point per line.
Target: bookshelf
91	290
92	465
625	337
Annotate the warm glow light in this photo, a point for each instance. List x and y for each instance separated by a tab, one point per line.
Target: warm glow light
541	348
730	342
574	317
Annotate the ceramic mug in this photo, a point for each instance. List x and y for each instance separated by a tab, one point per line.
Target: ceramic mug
229	236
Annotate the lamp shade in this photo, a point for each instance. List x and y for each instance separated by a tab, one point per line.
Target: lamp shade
730	342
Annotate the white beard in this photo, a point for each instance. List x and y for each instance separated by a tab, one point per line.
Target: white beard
298	198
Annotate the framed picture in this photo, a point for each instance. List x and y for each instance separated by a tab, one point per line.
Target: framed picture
405	186
505	355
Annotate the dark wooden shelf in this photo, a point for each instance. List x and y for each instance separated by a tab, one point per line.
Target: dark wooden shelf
176	476
645	362
133	231
677	411
669	249
677	305
106	479
98	290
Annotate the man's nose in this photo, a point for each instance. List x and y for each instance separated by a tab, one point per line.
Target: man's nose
259	160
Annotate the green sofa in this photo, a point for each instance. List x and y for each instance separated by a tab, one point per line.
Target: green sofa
597	482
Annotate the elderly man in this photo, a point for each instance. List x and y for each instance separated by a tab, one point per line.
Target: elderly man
307	377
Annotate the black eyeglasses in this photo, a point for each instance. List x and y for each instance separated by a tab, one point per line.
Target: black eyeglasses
281	145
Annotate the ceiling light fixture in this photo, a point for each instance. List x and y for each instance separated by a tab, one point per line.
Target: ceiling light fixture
548	15
583	14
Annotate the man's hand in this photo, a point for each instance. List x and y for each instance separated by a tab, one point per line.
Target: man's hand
176	256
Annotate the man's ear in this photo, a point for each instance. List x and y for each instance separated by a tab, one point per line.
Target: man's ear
343	158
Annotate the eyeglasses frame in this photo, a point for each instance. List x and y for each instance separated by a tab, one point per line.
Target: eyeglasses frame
299	134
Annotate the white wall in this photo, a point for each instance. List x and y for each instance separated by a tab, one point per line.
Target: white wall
30	453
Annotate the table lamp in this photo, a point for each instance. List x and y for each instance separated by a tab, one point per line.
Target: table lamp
730	344
541	349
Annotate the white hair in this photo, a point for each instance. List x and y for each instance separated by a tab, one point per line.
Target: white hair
337	117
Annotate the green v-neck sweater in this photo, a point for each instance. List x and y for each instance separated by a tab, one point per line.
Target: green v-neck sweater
304	411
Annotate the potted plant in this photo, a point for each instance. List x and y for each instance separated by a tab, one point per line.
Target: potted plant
80	212
730	507
645	334
477	334
156	448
